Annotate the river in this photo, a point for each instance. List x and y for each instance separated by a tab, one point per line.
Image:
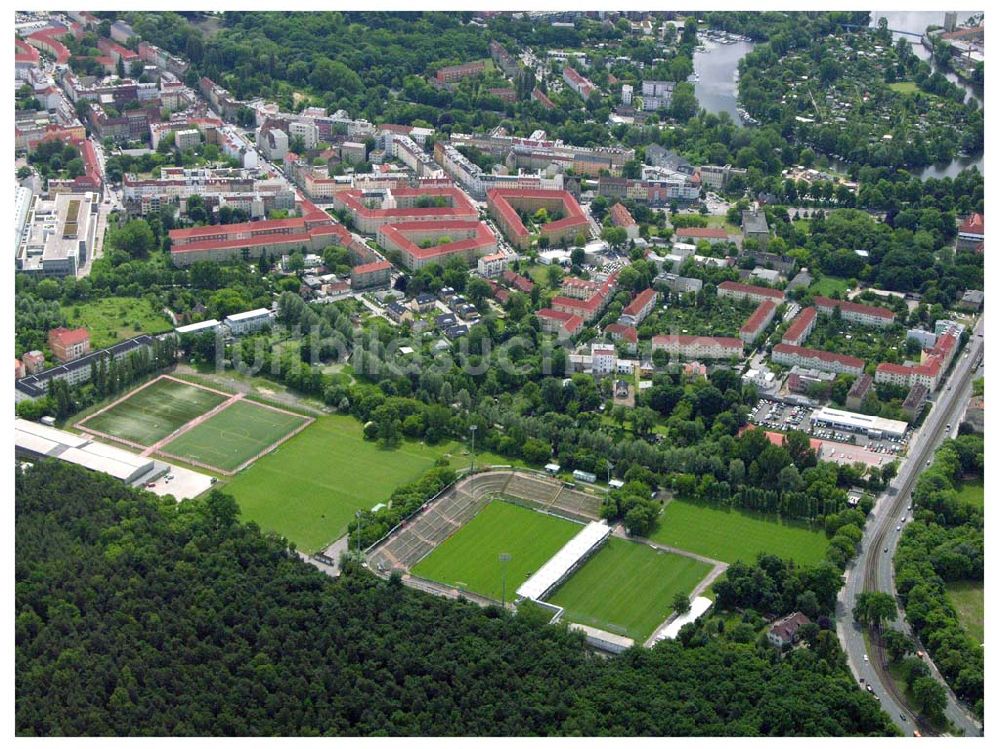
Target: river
716	67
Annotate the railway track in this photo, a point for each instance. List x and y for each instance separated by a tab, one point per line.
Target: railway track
879	660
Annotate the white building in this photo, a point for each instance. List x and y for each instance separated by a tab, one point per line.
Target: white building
873	426
491	266
198	327
604	359
305	130
627	95
185	139
248	322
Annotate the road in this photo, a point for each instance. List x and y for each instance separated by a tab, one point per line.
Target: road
872	569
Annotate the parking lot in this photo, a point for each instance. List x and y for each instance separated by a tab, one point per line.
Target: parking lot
838	445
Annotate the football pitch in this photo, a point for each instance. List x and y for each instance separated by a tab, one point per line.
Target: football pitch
730	534
627	588
310	487
469	559
234	435
152	413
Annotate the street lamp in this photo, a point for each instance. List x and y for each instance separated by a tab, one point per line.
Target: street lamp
504	557
473	430
358	516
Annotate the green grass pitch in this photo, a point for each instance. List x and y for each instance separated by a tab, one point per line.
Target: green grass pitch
234	435
627	588
967	598
309	488
150	414
469	558
728	535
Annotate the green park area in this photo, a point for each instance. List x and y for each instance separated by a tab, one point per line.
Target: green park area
470	558
730	534
967	598
904	87
111	320
829	286
151	413
972	492
627	588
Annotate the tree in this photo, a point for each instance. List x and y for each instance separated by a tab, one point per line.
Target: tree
896	644
875	607
930	696
136	238
681	603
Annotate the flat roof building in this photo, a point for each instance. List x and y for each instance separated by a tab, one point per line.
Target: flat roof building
873	426
59	235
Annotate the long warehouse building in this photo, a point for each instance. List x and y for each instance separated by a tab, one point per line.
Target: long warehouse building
873	426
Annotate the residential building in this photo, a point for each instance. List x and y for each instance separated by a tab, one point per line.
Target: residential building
806	380
791	356
33	361
353	153
971	234
272	142
627	91
625	334
691	234
718	177
860	389
538	95
975	413
467	240
372	209
367	275
491	266
972	300
621	217
67	345
663	158
74	372
453	73
506	61
928	372
913	404
578	83
504	202
590	308
758	321
248	322
742	291
861	314
564	324
656	95
755	227
785	631
925	338
121	32
699	347
639	308
678	284
802	325
518	282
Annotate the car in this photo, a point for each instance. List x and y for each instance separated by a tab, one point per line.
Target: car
899	528
866	657
928	462
885	550
869	688
902	717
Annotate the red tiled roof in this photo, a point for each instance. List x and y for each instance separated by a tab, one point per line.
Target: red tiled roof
974	224
518	281
701	232
861	309
483	237
254	228
748	289
687	340
501	196
24	52
756	321
627	332
371	267
539	96
643	298
570	322
620	215
461	209
68	337
777	438
811	353
799	324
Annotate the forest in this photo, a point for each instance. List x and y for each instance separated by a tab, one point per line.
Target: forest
944	544
140	616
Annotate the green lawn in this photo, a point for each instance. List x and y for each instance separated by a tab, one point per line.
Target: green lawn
728	535
967	598
152	413
114	319
972	492
469	558
720	222
904	87
234	435
627	588
827	285
309	488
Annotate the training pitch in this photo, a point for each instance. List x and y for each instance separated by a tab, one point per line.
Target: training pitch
627	588
147	415
234	435
469	559
310	487
730	534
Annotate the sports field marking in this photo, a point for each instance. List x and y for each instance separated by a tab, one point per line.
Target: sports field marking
627	588
153	411
470	556
235	434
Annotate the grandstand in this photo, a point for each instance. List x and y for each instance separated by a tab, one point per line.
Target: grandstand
565	561
417	536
